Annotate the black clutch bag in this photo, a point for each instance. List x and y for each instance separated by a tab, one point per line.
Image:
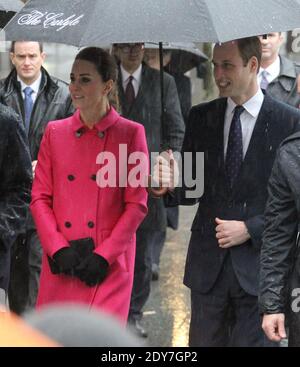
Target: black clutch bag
83	246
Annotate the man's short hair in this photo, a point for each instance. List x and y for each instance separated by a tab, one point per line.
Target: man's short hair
249	47
12	47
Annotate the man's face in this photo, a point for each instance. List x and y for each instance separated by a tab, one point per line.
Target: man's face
151	56
131	55
271	46
232	76
28	60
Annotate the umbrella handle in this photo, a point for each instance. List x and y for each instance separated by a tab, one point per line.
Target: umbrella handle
156	192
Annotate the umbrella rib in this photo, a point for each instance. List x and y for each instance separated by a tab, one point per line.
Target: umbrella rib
81	43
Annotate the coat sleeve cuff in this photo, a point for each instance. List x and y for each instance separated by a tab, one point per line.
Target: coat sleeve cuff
255	228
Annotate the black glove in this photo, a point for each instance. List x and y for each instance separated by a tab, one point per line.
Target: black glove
66	259
92	270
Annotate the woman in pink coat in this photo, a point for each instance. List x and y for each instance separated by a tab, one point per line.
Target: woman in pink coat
89	187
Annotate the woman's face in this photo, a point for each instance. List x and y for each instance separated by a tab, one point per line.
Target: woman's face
87	88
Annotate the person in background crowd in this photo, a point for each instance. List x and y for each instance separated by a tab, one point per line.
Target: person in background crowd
140	100
37	98
278	75
183	85
183	82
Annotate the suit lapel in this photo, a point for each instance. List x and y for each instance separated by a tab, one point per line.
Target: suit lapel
146	84
259	133
122	98
258	140
220	121
213	137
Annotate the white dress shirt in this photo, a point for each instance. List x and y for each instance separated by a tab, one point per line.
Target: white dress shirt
136	81
271	71
35	86
248	119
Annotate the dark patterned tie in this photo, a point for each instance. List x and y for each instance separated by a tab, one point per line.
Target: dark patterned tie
234	156
129	92
28	105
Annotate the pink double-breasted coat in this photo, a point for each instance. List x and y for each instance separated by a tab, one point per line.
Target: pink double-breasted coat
68	203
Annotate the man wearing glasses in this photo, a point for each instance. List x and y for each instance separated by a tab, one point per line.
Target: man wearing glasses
140	100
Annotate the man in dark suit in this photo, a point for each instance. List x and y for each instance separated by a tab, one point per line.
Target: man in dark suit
239	135
140	100
184	89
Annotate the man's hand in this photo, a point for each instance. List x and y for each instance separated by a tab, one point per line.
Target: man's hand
273	326
165	174
3	310
231	233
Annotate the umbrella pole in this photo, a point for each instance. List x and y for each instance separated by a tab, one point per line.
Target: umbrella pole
162	120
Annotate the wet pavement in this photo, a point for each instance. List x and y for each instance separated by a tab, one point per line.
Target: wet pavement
167	312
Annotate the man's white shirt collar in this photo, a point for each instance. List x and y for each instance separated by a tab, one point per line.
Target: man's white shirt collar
35	86
136	81
272	71
252	106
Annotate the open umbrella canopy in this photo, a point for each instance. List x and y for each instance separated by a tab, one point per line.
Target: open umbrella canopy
185	56
98	22
8	8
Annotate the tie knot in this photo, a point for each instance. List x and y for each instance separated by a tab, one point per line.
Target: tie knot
130	79
28	91
264	73
238	111
264	80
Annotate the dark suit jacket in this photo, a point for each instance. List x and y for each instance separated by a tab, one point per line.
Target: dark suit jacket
15	185
146	110
245	202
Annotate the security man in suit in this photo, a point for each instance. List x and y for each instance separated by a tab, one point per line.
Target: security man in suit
277	74
140	99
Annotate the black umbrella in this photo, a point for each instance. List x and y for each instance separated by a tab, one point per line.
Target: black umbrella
8	8
98	22
185	56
